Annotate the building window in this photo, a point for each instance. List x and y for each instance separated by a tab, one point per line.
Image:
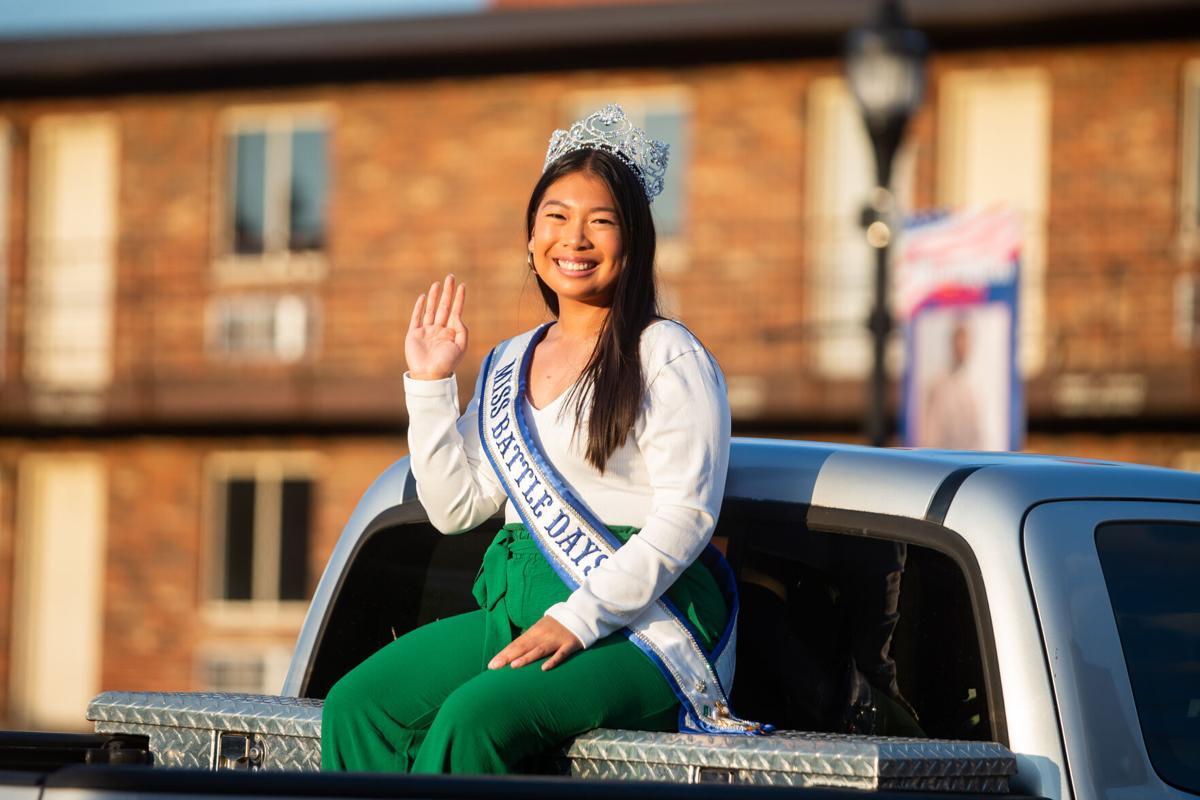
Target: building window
663	113
241	669
841	175
1187	309
74	179
5	194
1189	199
262	327
275	191
994	149
262	517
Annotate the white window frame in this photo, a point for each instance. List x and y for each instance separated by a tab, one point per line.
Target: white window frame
79	362
266	468
831	333
281	349
671	257
6	137
1187	309
56	650
953	88
276	263
1189	152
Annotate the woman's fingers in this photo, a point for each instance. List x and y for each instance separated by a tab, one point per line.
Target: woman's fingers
559	656
456	323
502	658
545	638
517	653
437	338
418	313
441	306
531	655
460	297
431	302
443	309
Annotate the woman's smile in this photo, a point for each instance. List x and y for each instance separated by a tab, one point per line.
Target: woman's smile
575	267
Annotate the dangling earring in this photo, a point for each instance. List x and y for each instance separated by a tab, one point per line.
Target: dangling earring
529	261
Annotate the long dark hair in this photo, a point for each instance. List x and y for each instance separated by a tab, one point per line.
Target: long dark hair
613	378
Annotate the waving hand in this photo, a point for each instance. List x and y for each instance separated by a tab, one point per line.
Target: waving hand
437	337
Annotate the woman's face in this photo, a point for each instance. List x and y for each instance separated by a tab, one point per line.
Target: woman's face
576	242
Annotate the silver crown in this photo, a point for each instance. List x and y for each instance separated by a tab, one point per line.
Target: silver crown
609	129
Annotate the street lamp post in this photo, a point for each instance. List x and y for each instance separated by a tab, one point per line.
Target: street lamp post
885	65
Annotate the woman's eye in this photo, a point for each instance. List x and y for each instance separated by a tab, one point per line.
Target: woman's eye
555	215
604	221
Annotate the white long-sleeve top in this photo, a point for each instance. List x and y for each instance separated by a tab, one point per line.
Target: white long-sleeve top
667	479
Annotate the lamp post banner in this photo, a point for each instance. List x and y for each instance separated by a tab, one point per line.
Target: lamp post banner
957	289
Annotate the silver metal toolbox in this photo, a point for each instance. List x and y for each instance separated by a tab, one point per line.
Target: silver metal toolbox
792	758
205	730
240	731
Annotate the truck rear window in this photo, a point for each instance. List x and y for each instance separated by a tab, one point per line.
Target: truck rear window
1151	570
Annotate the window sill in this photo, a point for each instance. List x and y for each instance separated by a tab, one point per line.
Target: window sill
273	268
255	614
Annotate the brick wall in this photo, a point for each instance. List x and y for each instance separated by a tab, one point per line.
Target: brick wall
432	176
157	618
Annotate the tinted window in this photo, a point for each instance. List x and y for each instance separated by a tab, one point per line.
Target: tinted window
849	634
278	187
239	539
1151	570
266	525
295	525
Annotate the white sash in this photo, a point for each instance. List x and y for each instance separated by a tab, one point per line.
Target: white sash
575	543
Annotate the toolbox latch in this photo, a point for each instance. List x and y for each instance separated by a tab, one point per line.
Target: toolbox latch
240	751
712	775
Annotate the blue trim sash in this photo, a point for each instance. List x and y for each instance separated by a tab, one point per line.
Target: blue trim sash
575	542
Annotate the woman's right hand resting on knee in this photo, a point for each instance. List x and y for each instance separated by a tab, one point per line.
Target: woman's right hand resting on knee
437	338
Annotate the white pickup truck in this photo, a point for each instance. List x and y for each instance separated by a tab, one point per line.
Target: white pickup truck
1032	624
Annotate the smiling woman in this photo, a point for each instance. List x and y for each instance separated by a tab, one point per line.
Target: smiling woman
586	210
604	435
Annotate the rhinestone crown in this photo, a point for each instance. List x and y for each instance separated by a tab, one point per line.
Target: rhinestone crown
609	129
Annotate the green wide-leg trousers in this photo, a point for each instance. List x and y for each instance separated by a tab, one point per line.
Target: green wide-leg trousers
427	703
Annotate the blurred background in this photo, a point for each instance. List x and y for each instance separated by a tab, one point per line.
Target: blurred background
214	220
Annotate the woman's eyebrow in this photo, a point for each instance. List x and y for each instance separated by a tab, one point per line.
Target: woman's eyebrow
609	209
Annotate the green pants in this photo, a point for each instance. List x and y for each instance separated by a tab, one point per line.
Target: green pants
427	702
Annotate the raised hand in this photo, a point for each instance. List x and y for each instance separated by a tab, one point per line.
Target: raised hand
437	339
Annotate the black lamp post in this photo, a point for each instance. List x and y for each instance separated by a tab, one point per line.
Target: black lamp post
885	65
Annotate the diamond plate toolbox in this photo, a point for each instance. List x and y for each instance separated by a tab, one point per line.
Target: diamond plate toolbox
241	731
204	730
791	758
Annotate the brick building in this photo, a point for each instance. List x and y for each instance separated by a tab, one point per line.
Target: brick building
210	243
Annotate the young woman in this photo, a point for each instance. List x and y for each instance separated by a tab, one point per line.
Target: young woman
605	437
